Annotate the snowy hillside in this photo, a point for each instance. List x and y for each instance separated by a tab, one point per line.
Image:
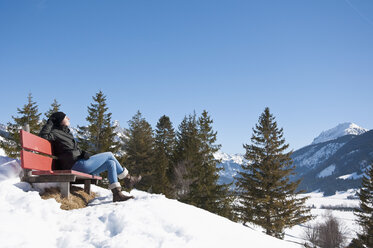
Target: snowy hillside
339	131
339	205
311	156
335	165
148	221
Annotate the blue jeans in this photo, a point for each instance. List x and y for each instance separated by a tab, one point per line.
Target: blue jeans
102	162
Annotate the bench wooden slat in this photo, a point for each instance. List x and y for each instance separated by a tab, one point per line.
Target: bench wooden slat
67	172
52	179
34	157
35	143
35	161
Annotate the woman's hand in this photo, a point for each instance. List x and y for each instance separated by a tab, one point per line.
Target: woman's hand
85	155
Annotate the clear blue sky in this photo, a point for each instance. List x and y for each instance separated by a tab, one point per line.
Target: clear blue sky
310	62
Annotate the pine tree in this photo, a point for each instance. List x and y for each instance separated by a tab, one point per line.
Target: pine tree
28	115
205	191
187	157
365	210
139	151
99	135
55	107
164	149
267	197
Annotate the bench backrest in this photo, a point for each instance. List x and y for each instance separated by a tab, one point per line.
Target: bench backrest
33	152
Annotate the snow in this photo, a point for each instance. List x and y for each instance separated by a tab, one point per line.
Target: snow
327	171
150	220
312	158
231	166
120	132
3	128
224	157
352	176
339	131
2	152
318	203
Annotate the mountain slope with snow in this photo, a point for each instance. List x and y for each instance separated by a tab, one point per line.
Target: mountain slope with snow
336	160
342	170
231	166
150	220
337	163
343	129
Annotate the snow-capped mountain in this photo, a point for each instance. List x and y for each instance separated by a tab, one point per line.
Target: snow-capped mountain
338	163
309	157
119	130
339	131
225	157
3	131
230	164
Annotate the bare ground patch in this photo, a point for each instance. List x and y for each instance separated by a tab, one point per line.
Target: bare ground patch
78	198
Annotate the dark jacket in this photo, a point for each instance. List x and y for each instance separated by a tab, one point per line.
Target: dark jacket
64	145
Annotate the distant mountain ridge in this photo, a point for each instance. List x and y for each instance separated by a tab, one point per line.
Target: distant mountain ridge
335	161
340	169
343	129
230	164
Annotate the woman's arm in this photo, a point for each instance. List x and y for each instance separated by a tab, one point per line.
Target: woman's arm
46	131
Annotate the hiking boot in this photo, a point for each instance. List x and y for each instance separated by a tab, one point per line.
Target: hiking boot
118	195
130	181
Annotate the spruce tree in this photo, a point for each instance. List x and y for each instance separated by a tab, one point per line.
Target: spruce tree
365	210
164	149
30	115
266	195
55	107
99	135
139	151
187	157
205	191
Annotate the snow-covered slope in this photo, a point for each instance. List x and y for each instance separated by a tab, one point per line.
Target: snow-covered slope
339	131
148	221
340	205
334	165
335	160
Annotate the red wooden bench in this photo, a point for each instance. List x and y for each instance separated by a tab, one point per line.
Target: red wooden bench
38	164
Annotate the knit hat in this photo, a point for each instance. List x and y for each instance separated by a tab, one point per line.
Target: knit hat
57	118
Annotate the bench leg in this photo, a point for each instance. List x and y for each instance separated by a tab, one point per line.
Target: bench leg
87	186
65	189
26	175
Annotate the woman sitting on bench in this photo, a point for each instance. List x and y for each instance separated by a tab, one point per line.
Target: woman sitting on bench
70	157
